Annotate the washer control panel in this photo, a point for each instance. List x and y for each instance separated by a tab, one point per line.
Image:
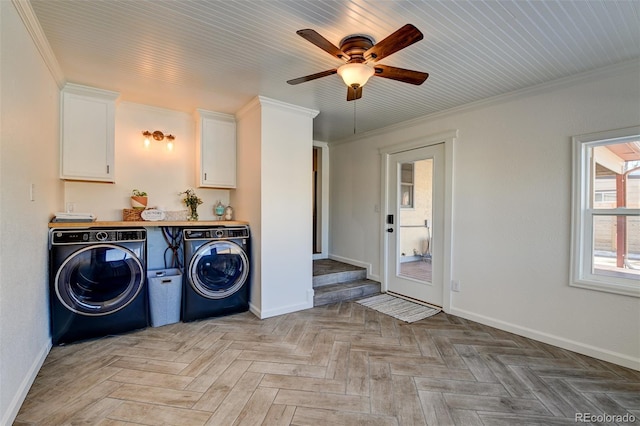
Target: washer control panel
86	236
219	233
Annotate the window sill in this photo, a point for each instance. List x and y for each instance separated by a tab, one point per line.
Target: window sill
622	289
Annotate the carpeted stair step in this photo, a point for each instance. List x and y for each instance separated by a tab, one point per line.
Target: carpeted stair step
338	292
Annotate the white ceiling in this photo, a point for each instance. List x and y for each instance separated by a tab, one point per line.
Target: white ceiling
218	55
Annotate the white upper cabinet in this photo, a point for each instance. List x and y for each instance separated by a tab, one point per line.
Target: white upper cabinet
87	133
215	150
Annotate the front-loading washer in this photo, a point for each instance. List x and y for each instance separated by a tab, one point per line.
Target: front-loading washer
97	282
216	278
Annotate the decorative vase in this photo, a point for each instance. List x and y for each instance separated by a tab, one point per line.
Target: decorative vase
228	213
219	210
193	213
138	202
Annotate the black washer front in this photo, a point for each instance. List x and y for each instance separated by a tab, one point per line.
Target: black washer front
216	281
218	269
99	279
97	282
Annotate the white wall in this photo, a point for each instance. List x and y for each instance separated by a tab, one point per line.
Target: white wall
29	119
247	199
281	209
155	170
512	201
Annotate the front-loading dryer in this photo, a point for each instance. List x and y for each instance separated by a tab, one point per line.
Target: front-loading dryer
97	282
216	278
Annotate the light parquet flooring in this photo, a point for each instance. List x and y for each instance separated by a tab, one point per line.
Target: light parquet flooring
339	364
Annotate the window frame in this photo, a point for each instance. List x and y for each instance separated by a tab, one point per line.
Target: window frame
583	213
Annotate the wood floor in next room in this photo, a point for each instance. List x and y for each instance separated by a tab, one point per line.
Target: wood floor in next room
339	364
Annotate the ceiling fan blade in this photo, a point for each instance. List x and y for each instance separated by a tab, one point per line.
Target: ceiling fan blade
401	74
353	94
312	76
400	39
312	36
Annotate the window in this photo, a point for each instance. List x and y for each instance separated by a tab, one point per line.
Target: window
606	212
406	185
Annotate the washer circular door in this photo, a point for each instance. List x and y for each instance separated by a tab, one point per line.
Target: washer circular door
99	279
218	269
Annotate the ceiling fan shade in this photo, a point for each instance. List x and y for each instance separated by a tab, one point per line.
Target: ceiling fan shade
359	52
355	75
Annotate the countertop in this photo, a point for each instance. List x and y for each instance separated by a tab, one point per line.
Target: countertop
146	223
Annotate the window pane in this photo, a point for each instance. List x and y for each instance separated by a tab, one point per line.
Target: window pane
414	225
406	185
616	181
633	190
616	246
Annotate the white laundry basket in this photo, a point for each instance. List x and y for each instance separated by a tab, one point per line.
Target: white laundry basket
165	293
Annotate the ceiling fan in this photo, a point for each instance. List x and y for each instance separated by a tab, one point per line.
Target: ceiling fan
359	52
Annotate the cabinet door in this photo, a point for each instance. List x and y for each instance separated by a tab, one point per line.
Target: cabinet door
217	159
88	128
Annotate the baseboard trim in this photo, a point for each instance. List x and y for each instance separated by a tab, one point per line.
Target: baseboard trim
263	314
354	262
12	411
254	310
581	348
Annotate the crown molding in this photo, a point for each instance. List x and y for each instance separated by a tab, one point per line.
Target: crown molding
259	101
31	23
619	68
312	113
214	115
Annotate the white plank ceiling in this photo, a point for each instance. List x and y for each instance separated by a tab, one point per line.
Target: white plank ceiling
218	55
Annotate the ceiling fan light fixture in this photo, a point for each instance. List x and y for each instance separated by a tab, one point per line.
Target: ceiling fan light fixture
355	75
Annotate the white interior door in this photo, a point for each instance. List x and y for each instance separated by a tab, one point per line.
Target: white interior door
415	224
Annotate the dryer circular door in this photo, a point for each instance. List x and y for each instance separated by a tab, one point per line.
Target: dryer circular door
99	279
218	269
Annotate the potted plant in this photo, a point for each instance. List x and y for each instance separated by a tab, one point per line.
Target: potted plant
192	201
139	199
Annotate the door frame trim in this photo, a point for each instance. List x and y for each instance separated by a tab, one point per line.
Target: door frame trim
448	138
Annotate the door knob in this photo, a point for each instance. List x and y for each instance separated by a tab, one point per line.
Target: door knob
389	229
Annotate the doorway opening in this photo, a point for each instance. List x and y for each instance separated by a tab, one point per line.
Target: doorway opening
317	159
320	170
417	195
415	205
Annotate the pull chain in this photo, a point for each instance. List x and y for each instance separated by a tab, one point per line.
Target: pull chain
354	116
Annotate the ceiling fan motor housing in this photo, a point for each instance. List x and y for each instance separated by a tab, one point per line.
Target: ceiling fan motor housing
355	46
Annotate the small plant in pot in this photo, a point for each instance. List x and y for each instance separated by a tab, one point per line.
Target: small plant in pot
192	201
139	199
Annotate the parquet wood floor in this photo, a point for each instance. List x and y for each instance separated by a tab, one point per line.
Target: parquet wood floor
339	364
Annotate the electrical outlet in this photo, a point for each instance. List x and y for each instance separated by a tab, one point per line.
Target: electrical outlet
455	285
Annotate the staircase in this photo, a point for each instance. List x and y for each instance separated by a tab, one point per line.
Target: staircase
335	281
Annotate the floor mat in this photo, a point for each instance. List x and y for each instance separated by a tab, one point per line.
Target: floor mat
396	307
